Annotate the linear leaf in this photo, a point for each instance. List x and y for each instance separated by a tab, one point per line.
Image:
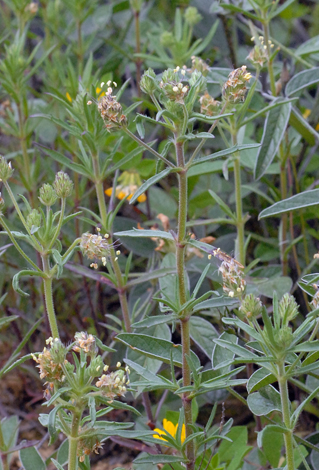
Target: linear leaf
145	233
274	130
154	179
302	80
308	47
299	201
223	153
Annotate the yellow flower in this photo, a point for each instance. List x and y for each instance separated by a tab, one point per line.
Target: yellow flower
67	94
129	184
306	114
169	429
97	89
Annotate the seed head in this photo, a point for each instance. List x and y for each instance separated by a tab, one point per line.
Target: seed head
63	185
47	195
234	89
5	169
251	306
111	111
94	246
85	342
208	105
34	219
148	82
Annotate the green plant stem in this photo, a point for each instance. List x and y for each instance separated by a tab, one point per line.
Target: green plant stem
73	441
117	271
138	61
270	64
80	45
239	208
203	141
36	244
17	246
180	267
284	217
145	145
58	228
285	404
3	457
48	295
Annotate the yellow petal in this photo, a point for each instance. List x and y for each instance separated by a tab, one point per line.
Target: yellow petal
67	94
109	191
161	433
183	434
169	427
141	198
306	113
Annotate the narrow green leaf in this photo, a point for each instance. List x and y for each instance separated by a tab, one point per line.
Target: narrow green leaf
221	204
145	233
302	80
309	47
223	153
299	201
274	130
154	179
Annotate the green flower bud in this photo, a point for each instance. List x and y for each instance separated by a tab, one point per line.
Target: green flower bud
251	306
258	55
283	338
208	105
48	196
288	308
2	204
111	111
199	80
34	219
148	82
167	39
200	65
5	169
234	89
172	87
192	16
136	5
62	185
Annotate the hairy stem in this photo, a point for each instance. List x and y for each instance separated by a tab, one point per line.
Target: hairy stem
180	266
48	295
285	404
240	248
73	441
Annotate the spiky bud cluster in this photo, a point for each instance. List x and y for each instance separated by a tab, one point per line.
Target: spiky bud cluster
200	65
148	82
251	306
288	308
258	55
6	169
34	219
63	185
111	111
283	337
47	195
136	5
232	273
113	384
234	89
192	16
50	361
208	105
172	87
87	445
94	246
86	342
167	39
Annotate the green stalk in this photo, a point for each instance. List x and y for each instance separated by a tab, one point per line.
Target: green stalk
180	267
138	61
285	404
145	145
270	64
58	228
48	295
284	217
239	208
117	271
73	441
17	246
